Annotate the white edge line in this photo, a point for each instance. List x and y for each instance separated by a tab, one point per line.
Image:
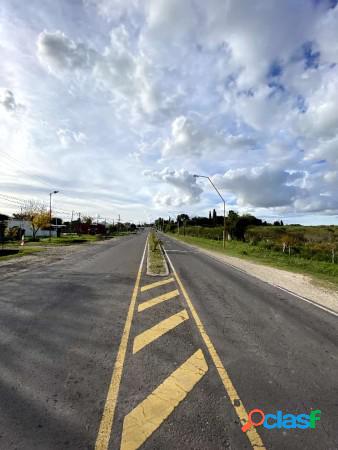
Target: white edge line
307	300
330	311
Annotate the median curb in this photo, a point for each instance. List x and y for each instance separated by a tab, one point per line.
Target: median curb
152	274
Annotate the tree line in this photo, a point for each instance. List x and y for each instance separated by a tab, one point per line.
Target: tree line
235	224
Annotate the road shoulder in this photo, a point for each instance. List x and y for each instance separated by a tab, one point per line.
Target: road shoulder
297	284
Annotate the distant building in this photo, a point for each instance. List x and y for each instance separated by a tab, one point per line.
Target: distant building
85	228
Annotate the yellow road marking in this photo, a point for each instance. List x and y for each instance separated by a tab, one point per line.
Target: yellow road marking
103	437
156	300
159	330
156	284
148	415
241	412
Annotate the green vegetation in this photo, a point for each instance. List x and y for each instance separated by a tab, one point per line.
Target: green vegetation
269	255
311	250
34	246
314	243
156	261
69	239
22	251
62	240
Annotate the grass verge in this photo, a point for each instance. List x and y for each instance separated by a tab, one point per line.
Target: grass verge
55	241
156	262
68	240
23	251
324	272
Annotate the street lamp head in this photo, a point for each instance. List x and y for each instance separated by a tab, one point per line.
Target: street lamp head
55	192
195	176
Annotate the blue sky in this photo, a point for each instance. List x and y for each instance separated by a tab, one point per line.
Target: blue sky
118	103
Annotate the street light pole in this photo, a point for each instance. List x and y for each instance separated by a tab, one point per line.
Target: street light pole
50	213
224	227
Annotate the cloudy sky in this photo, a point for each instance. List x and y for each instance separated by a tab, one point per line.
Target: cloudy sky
117	103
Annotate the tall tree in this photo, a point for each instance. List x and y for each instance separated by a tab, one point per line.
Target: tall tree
87	220
214	216
231	222
209	216
38	216
183	217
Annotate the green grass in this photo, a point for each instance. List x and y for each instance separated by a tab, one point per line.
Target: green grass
23	251
321	271
62	240
156	258
31	247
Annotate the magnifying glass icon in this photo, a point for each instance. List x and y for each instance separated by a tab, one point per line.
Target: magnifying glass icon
251	422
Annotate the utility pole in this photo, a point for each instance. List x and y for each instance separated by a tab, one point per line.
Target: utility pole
21	219
50	213
71	223
224	224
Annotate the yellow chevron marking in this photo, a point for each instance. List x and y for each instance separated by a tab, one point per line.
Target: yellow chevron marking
159	330
241	412
156	284
148	415
156	300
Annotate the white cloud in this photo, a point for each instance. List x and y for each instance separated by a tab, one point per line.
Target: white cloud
112	10
327	150
61	53
244	88
68	137
256	32
125	73
194	136
240	141
317	204
326	34
262	187
331	177
9	102
186	190
321	118
186	138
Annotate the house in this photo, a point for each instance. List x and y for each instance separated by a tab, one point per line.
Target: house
26	225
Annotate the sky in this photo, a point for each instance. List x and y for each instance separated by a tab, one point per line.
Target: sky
117	103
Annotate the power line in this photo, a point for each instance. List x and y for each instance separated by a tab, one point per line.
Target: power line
23	168
17	201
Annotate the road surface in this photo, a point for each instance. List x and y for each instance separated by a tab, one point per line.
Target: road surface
96	354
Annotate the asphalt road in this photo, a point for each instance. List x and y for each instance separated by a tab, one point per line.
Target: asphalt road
63	326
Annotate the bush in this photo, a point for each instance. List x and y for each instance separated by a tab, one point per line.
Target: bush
311	243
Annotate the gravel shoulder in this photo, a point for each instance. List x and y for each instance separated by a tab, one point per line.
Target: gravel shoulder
299	284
